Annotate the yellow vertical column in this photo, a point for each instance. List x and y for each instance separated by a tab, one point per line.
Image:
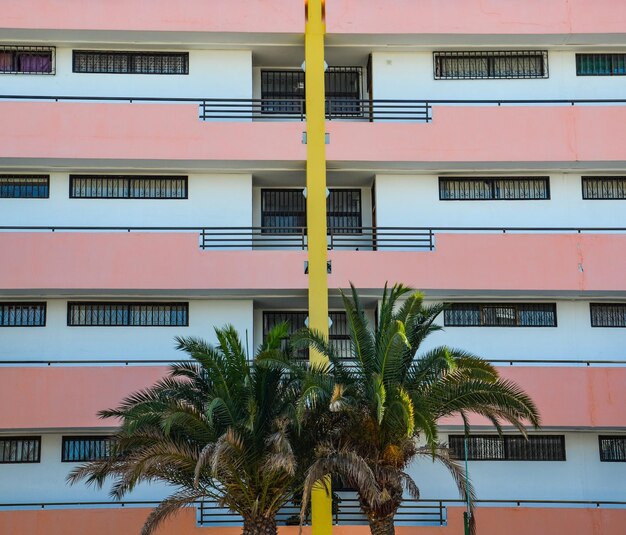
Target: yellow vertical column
321	502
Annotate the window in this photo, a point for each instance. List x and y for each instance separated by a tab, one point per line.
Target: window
491	64
20	450
494	189
604	187
283	92
500	315
283	211
508	447
22	314
608	314
26	60
612	449
113	62
600	64
338	335
24	186
77	449
127	187
116	314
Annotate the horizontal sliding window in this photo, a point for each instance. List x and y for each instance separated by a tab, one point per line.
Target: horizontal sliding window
508	447
26	60
90	448
600	64
127	187
474	65
500	315
494	188
114	62
114	314
283	211
24	186
20	450
612	449
604	187
22	314
338	332
608	315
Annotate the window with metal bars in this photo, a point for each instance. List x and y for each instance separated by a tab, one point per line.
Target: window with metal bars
494	188
89	448
24	186
608	314
283	211
26	59
600	64
604	187
115	314
508	447
612	449
283	91
20	450
338	332
128	187
498	64
22	314
126	62
500	315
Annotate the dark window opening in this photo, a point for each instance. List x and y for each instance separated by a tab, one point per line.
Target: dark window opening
612	449
500	315
604	187
502	64
22	314
113	62
20	450
24	186
128	187
26	60
608	314
102	314
600	64
78	449
508	447
494	189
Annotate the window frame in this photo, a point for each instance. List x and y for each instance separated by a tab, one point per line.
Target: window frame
43	312
596	305
128	305
34	438
9	176
131	55
506	448
584	179
492	180
490	55
588	55
621	438
17	49
482	306
129	179
68	438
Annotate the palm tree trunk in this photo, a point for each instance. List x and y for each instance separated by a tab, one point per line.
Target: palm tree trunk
381	526
259	526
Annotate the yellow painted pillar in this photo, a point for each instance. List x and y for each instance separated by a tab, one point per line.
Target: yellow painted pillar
315	27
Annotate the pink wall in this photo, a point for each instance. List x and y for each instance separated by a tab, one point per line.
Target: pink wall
173	132
490	521
37	397
534	262
475	17
156	15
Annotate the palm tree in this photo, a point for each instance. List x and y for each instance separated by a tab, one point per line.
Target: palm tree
217	427
388	396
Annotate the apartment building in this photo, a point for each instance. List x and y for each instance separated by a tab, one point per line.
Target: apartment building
152	184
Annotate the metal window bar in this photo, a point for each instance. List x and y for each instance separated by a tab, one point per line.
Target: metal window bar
25	186
114	314
604	187
494	188
497	64
508	447
600	64
612	449
128	187
127	62
22	314
20	450
500	315
608	314
27	59
77	449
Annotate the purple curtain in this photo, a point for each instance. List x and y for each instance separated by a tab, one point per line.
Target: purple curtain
6	61
35	62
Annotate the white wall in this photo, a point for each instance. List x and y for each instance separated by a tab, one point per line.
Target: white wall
581	477
212	74
57	341
573	338
413	201
410	75
213	200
